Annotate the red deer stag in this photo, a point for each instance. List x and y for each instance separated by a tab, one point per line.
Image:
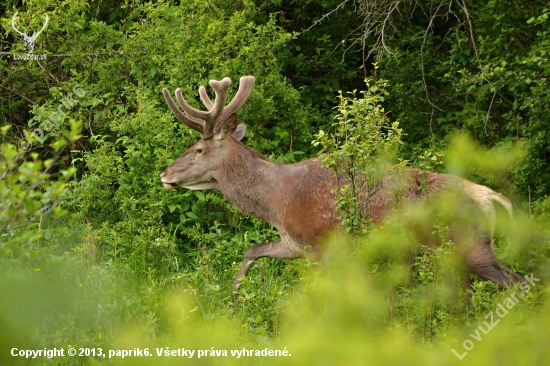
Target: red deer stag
296	198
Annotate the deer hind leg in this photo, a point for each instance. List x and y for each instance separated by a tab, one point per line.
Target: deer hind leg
481	261
467	287
275	249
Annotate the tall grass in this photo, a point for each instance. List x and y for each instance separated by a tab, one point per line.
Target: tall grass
379	299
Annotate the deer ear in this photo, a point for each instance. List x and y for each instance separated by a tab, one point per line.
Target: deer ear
227	128
239	132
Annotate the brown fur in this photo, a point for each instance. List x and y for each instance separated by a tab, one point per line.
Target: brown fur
297	200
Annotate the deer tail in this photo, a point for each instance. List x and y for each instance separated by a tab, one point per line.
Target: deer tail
505	202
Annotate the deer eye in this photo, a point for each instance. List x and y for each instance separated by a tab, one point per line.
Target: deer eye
198	151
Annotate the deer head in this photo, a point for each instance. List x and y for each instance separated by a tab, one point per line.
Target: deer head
29	40
195	168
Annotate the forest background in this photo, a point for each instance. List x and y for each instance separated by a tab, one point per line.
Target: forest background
95	253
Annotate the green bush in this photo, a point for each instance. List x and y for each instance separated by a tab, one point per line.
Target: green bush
135	265
359	152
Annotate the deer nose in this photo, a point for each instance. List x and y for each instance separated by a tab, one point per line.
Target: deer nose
164	173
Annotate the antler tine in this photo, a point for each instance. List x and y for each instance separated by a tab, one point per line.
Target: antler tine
216	114
245	87
13	24
215	109
191	122
205	99
188	109
221	88
35	34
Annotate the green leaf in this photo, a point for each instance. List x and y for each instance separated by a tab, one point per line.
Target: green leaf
58	144
192	215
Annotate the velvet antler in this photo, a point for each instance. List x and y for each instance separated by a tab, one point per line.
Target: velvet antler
209	122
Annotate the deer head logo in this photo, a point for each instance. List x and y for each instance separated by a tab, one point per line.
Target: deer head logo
29	40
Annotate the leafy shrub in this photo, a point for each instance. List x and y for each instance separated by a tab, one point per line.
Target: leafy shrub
359	151
29	191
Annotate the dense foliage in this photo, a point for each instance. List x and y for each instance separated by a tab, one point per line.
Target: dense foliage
94	252
360	151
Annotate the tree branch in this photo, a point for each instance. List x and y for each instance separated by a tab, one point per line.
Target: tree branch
18	94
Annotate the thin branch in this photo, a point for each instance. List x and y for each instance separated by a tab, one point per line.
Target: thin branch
18	94
472	37
432	17
213	9
48	72
341	5
48	209
120	53
488	111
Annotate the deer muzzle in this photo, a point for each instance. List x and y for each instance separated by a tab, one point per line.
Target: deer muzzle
165	181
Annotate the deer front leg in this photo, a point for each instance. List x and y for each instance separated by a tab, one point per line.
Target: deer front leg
275	249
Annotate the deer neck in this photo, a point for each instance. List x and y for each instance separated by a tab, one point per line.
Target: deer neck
250	182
